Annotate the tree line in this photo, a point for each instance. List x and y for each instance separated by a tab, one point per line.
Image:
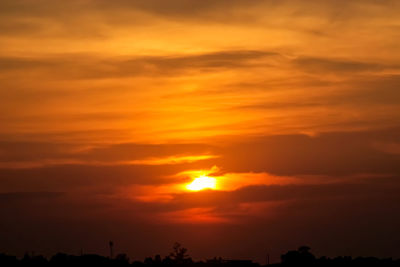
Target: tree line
301	257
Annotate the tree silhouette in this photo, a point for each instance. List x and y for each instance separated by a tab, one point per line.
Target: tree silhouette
122	259
300	257
179	255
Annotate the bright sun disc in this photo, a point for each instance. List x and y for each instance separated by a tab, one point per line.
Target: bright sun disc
202	182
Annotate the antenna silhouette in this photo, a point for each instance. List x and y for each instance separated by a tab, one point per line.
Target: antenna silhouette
111	244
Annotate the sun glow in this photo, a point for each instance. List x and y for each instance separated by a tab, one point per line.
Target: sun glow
202	182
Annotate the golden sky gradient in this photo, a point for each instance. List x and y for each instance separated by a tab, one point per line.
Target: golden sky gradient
129	71
110	109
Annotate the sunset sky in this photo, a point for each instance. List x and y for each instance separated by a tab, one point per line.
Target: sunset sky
287	113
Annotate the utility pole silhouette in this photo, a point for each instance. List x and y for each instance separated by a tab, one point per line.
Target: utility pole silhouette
111	244
267	259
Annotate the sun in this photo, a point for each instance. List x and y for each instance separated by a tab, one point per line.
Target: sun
202	182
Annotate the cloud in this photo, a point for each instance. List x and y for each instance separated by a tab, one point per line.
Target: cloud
77	176
174	8
190	9
330	154
13	151
387	147
228	200
328	66
28	196
181	8
88	67
334	153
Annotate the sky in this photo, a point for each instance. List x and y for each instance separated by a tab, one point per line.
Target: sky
235	127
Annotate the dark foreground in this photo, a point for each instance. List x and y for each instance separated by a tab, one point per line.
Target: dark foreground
300	257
